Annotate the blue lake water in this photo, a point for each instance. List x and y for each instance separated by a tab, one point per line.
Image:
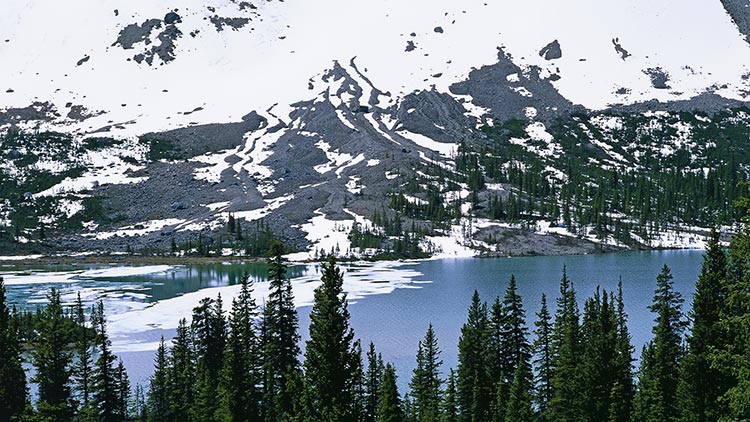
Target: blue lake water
397	320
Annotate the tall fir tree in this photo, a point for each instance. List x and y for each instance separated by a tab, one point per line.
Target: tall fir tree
209	340
13	389
181	380
331	361
623	388
158	392
656	398
543	360
389	405
52	361
122	383
565	404
104	395
240	394
474	383
449	407
280	339
520	406
82	370
372	379
701	385
515	348
426	384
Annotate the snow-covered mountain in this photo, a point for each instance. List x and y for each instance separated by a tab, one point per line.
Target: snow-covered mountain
312	114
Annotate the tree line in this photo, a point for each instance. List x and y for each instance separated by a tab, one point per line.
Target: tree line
574	365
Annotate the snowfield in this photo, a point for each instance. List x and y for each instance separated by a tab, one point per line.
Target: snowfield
220	74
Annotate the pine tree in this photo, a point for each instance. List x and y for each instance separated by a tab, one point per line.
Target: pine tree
52	361
623	388
82	371
122	385
13	390
240	380
372	384
520	407
426	383
181	384
330	355
515	348
389	405
280	341
104	383
209	341
656	399
565	404
158	392
701	385
543	360
449	406
475	387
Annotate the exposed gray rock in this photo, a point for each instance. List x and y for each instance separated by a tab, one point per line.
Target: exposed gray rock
659	77
410	46
551	51
134	33
739	11
619	49
234	23
83	60
433	114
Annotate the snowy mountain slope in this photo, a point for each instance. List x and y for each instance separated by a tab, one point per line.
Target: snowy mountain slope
69	53
313	116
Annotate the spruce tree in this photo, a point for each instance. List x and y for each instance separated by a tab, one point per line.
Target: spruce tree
449	406
520	407
330	356
181	384
13	389
426	383
240	394
158	392
104	395
565	404
52	361
209	340
543	360
372	384
280	341
702	385
656	399
389	405
122	383
623	388
515	348
82	370
475	386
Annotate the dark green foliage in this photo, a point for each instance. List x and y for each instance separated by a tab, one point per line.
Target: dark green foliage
449	406
389	405
520	407
543	359
372	384
158	392
104	389
52	361
13	391
566	403
474	384
331	360
425	382
209	342
656	399
83	368
280	341
182	377
241	377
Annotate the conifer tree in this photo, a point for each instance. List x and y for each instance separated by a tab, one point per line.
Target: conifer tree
52	361
543	360
122	383
389	405
426	383
104	382
520	407
82	369
372	384
158	392
13	389
656	399
565	404
515	348
209	340
181	385
280	341
623	388
330	356
449	406
475	387
240	380
702	385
